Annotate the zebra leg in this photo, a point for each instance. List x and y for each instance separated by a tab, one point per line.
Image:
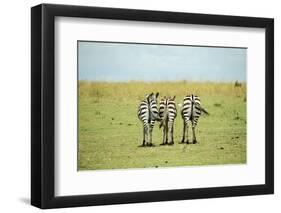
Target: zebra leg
187	141
166	133
183	131
150	135
170	125
164	136
144	134
193	132
172	134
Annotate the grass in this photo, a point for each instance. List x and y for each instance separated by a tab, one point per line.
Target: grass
110	132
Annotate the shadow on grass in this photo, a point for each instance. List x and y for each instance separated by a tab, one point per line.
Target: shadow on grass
145	146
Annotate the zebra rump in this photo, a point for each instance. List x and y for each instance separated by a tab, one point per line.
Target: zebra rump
167	113
191	110
148	114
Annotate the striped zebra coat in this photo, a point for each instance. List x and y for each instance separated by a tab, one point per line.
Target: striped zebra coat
148	114
190	111
168	114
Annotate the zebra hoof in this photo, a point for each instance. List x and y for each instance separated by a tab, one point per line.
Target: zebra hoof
182	141
194	141
162	144
170	144
187	142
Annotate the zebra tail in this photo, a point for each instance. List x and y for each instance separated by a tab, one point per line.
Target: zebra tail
203	110
162	123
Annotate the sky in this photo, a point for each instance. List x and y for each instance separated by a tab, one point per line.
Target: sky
122	62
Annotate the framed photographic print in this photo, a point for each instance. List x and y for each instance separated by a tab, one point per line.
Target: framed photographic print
140	106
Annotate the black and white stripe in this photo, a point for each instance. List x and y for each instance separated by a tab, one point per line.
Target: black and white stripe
190	111
148	114
168	114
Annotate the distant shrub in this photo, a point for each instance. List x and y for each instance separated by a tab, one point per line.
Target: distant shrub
237	84
217	105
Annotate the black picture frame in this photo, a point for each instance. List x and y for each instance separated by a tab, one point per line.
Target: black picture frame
43	105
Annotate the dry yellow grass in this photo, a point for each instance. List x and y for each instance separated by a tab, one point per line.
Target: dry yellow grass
137	90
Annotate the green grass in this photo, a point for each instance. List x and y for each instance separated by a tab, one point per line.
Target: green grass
110	132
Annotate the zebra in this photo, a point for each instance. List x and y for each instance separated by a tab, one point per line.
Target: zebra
168	114
190	111
148	114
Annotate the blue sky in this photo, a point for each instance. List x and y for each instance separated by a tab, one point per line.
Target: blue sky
121	62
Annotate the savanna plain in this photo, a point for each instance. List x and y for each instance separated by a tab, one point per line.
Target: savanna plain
110	133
